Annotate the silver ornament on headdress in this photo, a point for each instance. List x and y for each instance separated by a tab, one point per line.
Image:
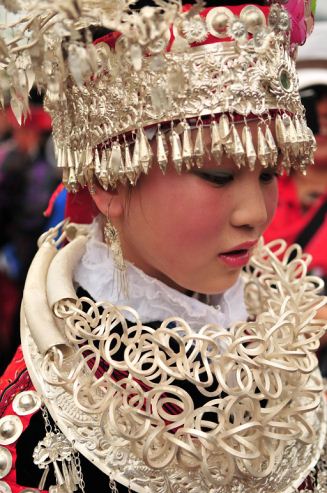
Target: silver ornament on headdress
98	95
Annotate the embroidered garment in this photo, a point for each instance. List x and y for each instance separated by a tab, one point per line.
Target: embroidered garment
126	392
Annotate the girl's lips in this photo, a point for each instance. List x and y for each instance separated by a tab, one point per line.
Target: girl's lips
239	258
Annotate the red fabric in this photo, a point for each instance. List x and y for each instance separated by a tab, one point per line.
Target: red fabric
317	248
15	380
80	207
49	209
290	220
8	382
37	119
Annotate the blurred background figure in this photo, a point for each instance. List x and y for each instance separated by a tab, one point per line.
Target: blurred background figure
27	179
301	214
5	127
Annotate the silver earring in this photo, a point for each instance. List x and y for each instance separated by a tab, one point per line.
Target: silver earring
111	237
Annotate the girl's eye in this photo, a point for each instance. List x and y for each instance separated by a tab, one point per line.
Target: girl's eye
268	176
218	178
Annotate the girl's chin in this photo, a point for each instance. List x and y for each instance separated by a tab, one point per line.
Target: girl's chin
213	286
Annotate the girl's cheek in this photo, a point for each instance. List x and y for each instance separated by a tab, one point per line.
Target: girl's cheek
199	227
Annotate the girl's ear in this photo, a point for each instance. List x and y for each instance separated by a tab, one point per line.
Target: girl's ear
109	202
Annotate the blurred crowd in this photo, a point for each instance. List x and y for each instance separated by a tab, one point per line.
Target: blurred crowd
28	176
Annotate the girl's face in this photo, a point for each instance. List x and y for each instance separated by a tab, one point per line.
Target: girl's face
195	231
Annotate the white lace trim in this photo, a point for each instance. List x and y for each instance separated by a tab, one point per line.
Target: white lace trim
153	299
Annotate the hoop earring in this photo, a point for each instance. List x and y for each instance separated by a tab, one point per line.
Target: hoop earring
111	238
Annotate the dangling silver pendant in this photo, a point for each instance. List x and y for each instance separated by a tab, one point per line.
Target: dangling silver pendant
56	451
199	150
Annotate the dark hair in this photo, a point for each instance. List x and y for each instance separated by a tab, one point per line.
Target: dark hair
320	91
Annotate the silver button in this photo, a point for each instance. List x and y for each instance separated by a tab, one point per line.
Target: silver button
26	402
11	428
5	462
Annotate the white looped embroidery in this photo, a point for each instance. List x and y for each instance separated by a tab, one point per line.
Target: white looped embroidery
253	398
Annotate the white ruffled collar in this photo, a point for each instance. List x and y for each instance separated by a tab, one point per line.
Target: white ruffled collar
151	298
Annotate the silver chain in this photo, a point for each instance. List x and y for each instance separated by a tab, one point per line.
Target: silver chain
47	424
113	485
77	462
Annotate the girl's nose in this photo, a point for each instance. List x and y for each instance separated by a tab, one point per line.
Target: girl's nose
251	210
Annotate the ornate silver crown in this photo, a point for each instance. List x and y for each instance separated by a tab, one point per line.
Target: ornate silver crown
171	69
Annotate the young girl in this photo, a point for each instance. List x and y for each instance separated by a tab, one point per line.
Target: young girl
155	369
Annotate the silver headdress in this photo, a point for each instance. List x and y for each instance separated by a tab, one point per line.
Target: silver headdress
163	67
